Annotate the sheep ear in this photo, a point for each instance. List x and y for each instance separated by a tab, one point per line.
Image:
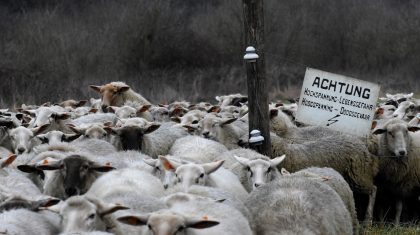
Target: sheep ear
276	161
190	128
106	208
80	103
136	220
242	160
144	108
70	137
38	130
178	111
374	124
378	131
413	128
151	128
112	130
200	224
284	172
212	166
79	131
226	121
176	119
213	109
168	165
60	116
43	138
218	98
96	88
49	165
7	161
112	109
93	110
45	202
150	161
54	208
409	95
101	168
31	113
123	88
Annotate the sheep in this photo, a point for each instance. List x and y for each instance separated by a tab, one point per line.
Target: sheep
197	149
118	93
396	99
72	175
54	137
94	131
190	120
160	114
333	179
94	118
200	192
345	154
296	205
215	218
384	112
402	110
210	174
83	214
252	168
398	174
233	99
227	131
150	138
21	139
19	202
130	112
56	116
72	103
23	221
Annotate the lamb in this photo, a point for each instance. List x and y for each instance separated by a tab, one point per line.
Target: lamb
72	175
150	138
209	174
333	179
345	154
398	174
296	205
118	93
252	168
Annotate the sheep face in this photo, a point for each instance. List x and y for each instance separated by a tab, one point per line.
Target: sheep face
167	223
22	138
82	214
397	137
211	126
77	173
54	137
260	171
131	134
111	94
48	115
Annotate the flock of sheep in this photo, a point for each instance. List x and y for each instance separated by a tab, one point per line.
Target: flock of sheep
124	166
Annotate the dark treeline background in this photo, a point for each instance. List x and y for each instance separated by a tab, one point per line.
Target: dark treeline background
51	50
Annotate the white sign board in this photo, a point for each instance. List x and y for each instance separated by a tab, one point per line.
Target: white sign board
338	102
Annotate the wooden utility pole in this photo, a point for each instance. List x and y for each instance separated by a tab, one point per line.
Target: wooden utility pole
255	69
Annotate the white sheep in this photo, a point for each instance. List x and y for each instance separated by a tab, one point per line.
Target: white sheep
21	139
209	174
345	154
252	168
333	179
297	205
399	162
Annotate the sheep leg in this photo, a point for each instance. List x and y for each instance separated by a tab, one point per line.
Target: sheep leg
369	209
398	210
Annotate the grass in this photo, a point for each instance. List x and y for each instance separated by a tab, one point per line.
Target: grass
390	229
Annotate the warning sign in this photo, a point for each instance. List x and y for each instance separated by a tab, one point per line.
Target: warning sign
338	102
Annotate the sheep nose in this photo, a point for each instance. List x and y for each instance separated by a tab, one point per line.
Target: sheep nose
257	185
104	108
71	191
165	186
402	153
206	134
21	150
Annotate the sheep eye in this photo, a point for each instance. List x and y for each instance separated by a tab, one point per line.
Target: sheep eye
87	136
269	170
91	216
195	122
149	226
248	168
390	133
180	228
85	167
157	168
202	175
